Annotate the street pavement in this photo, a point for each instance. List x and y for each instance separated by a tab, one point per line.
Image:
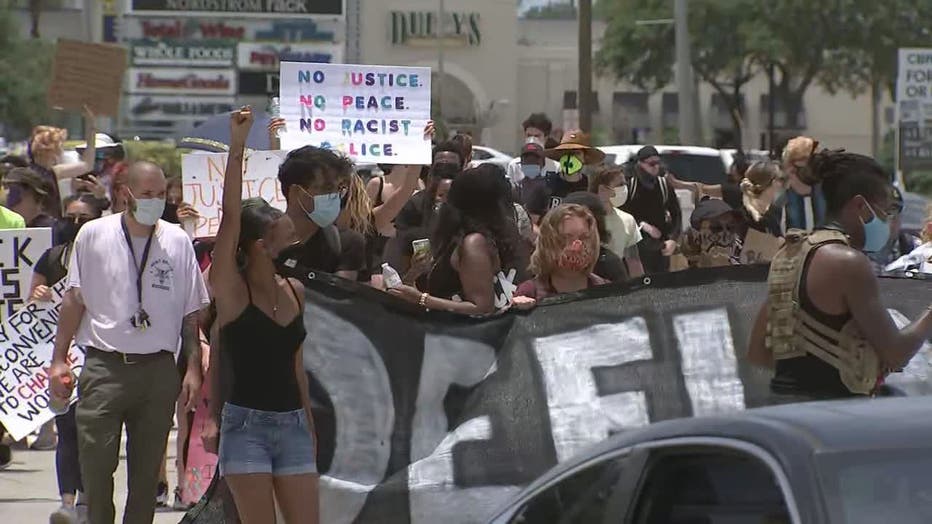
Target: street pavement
29	489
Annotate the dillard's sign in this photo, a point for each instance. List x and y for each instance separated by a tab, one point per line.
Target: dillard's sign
210	53
420	28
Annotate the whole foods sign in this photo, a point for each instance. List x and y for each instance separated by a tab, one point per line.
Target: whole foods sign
265	8
206	53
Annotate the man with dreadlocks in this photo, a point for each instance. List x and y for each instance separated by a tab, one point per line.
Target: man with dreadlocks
823	327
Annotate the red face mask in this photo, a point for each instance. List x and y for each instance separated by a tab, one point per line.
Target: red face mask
577	256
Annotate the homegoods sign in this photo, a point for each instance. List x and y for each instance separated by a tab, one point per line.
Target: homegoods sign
202	53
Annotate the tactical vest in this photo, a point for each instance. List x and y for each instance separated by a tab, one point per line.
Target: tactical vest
792	332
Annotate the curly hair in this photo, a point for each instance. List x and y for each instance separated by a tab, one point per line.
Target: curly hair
550	242
478	202
845	175
359	206
46	143
798	152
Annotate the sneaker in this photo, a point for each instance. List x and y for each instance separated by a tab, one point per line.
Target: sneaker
64	515
179	504
45	443
6	457
161	498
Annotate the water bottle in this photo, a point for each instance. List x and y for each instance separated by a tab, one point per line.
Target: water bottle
275	111
59	405
391	277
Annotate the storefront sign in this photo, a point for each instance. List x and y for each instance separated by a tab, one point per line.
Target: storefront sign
282	30
258	83
237	7
209	53
369	113
145	108
182	81
256	56
418	28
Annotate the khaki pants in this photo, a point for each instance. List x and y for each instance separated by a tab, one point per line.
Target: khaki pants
142	396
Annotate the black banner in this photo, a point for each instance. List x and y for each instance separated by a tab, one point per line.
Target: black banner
438	417
265	8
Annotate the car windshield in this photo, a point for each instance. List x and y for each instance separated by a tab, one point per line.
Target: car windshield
695	168
878	486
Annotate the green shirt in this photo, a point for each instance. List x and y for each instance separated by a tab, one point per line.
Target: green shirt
10	219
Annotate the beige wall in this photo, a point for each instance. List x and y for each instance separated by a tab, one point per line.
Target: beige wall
488	70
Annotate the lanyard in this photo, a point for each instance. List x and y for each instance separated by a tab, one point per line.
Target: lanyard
145	258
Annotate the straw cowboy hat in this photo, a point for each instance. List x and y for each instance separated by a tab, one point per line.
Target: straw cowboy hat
576	141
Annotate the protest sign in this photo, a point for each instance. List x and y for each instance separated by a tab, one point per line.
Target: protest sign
202	174
19	251
26	342
370	113
759	247
914	108
87	74
456	414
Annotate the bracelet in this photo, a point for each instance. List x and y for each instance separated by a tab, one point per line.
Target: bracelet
423	300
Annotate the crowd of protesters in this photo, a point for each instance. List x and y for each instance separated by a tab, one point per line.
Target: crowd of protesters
473	240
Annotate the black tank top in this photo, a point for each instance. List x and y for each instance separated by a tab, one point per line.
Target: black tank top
262	354
810	374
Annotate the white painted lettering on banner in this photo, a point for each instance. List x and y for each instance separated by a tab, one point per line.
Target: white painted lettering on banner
580	416
709	366
26	341
369	113
20	249
202	174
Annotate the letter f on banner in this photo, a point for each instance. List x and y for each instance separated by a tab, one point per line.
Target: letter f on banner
579	415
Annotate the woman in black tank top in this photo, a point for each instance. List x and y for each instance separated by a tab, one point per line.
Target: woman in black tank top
838	283
266	427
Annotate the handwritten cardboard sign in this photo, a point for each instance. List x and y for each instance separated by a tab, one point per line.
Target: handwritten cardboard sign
202	174
369	113
26	343
20	249
759	247
87	74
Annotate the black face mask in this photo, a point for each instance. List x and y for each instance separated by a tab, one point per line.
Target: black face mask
445	170
65	231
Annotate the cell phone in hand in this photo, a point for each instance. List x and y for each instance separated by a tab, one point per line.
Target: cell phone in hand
421	246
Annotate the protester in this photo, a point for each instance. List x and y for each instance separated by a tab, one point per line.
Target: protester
475	248
464	142
823	283
712	238
805	202
46	155
920	258
49	269
109	165
532	191
388	194
575	156
133	288
355	226
175	194
266	445
28	194
9	219
566	254
759	228
655	207
738	168
609	265
537	130
612	189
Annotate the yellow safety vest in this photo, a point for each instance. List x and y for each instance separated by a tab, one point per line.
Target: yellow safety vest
792	332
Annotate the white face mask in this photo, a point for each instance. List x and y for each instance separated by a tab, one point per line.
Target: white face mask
621	196
149	210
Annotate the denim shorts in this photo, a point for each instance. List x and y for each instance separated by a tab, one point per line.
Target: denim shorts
255	441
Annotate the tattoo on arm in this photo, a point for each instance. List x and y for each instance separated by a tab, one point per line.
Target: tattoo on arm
190	340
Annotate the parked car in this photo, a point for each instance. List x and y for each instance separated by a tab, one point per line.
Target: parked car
687	163
487	155
839	462
753	155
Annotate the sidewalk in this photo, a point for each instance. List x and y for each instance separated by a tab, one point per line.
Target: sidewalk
29	490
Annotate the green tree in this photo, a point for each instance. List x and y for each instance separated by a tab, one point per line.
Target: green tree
644	54
26	64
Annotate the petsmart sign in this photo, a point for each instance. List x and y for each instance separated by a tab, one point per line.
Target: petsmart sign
369	113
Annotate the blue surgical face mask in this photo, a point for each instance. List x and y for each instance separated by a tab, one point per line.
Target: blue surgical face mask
876	233
326	208
531	170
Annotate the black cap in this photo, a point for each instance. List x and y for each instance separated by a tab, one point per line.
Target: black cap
709	208
646	152
532	149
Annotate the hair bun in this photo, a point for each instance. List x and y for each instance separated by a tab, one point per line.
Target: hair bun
820	166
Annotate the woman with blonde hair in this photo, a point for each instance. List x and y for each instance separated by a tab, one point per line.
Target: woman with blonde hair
566	253
805	202
757	237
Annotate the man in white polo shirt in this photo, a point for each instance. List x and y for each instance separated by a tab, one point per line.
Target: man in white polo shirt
134	290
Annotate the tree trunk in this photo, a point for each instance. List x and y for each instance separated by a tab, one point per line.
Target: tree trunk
875	118
737	118
35	11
